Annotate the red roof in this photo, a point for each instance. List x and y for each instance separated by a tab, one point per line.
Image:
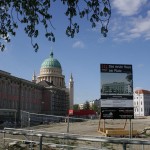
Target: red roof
141	91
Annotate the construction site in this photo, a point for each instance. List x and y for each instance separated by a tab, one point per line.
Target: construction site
94	133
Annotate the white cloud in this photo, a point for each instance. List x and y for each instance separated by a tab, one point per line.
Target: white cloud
128	7
131	28
141	26
128	26
78	44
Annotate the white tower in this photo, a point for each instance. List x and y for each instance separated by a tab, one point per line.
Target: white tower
34	77
71	92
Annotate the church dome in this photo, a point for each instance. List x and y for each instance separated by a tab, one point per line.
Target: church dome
51	62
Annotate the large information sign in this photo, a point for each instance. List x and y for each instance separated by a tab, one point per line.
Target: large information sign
116	91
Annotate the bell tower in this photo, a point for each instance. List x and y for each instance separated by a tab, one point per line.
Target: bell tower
71	92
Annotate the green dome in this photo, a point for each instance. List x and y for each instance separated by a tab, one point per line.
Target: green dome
51	63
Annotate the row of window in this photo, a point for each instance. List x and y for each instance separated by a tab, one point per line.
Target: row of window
137	103
49	71
146	110
137	109
14	90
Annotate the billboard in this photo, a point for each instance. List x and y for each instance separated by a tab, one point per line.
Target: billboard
116	91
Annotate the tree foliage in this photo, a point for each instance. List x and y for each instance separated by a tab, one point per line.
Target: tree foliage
86	106
96	108
31	13
75	107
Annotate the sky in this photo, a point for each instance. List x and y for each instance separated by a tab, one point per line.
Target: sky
128	42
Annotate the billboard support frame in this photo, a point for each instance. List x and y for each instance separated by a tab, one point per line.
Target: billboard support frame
122	132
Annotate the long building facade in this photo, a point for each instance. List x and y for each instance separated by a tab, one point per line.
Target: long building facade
45	94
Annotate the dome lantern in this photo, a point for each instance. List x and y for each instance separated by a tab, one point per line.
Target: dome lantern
51	55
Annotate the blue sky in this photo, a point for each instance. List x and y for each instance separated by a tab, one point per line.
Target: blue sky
128	42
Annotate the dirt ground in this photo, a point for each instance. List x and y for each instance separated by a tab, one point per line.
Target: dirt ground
90	127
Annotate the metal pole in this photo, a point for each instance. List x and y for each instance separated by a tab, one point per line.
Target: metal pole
99	122
131	135
40	144
68	124
32	140
124	146
130	129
